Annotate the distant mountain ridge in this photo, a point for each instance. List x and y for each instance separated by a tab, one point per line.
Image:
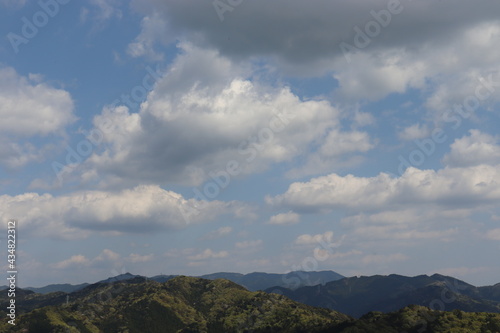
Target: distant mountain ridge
261	281
356	296
252	281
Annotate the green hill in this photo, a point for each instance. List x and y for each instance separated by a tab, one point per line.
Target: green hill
358	295
187	304
182	304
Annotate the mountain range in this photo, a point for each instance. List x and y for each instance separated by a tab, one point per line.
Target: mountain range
356	296
188	304
252	281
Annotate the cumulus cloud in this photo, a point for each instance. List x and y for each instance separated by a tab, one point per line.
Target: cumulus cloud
153	29
415	131
204	114
418	49
474	149
285	218
76	260
29	108
143	209
106	258
457	187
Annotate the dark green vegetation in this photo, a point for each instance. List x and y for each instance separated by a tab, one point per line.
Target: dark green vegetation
188	304
419	319
182	304
357	296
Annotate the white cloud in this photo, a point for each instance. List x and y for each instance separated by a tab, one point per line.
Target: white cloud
415	131
143	209
285	218
475	149
340	143
106	258
377	75
208	254
454	187
29	108
182	131
75	261
153	29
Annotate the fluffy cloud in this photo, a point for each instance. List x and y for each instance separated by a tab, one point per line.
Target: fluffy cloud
105	259
204	114
285	218
76	260
416	131
475	149
416	49
455	187
143	209
29	108
154	29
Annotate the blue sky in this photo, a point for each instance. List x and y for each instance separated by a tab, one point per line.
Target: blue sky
190	138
